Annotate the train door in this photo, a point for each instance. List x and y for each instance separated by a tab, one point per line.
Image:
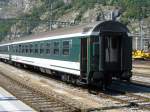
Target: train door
9	52
112	52
95	54
84	59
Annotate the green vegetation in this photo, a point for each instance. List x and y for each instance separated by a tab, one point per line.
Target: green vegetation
5	28
136	9
133	9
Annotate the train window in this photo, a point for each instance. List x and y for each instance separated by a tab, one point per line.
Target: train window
66	48
23	49
26	47
19	50
36	48
6	48
3	49
56	48
48	48
0	49
13	48
30	48
16	49
41	48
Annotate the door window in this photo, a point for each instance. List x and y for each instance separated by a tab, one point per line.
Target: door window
111	49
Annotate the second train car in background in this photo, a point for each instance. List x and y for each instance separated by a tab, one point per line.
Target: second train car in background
87	54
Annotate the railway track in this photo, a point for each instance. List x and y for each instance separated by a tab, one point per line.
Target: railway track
143	62
142	67
123	97
133	99
141	75
141	78
36	99
141	81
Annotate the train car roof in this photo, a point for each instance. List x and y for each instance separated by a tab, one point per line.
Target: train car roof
82	30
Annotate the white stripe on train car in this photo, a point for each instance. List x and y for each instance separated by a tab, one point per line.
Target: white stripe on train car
4	56
63	66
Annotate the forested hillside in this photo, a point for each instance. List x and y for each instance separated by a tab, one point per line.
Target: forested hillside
130	8
36	14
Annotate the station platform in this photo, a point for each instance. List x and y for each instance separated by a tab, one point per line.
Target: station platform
9	103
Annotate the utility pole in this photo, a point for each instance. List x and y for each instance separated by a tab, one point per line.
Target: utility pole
141	34
136	43
50	5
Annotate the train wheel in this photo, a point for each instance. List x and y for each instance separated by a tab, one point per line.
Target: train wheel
128	80
107	80
65	78
126	76
97	80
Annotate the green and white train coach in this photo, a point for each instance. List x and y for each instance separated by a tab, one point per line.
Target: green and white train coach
91	53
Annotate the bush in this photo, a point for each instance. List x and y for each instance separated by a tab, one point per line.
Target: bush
5	26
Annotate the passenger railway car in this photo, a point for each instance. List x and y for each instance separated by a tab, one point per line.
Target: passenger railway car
88	54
